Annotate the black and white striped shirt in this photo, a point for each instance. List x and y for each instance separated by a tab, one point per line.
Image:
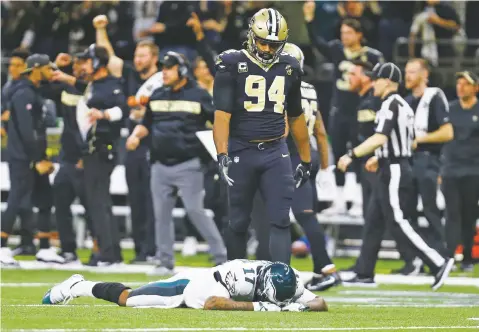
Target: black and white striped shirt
395	119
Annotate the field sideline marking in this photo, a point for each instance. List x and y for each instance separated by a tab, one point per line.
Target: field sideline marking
169	329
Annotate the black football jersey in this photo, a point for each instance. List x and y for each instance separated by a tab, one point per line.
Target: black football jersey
257	95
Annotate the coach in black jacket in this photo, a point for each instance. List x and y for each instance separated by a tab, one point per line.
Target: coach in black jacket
26	150
100	114
174	114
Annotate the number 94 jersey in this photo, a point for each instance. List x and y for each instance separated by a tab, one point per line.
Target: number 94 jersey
257	95
239	276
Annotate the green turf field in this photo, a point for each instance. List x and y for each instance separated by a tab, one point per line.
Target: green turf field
386	308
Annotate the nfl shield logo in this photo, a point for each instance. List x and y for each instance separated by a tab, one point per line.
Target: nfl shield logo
236	159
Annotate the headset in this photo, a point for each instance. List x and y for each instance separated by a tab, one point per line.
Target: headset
183	65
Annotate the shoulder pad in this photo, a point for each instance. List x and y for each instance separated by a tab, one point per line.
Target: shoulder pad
228	57
288	58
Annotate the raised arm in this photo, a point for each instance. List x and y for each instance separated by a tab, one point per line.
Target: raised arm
317	41
115	64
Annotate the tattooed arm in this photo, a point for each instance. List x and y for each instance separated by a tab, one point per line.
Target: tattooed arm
222	303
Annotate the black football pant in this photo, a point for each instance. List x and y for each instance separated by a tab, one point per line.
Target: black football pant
343	132
69	184
390	205
265	167
426	172
19	201
137	169
97	191
303	210
462	211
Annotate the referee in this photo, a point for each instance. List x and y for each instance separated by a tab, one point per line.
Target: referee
392	142
460	169
432	129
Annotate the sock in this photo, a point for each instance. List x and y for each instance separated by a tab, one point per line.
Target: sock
108	291
83	288
4	241
44	243
315	235
280	244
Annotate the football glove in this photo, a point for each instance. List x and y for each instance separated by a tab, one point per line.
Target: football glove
224	161
265	306
302	173
295	307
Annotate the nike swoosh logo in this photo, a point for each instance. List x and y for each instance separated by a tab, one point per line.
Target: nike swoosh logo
284	155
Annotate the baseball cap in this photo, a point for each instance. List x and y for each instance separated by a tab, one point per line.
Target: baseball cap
388	71
171	58
469	76
38	60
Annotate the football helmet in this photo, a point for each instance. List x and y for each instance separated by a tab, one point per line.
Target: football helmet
276	283
267	27
295	52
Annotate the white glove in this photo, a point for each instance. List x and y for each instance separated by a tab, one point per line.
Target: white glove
265	306
295	307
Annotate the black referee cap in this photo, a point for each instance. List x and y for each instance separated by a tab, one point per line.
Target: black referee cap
388	71
469	76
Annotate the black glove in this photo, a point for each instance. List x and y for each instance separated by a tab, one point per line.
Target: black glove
302	173
224	161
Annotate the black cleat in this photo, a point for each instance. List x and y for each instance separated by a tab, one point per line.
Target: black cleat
25	250
322	282
360	281
349	269
442	274
467	267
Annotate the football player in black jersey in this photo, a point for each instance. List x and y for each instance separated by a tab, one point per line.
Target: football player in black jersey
343	119
253	88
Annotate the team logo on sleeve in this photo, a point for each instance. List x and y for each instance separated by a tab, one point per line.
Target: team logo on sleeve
28	107
236	159
242	67
289	70
474	118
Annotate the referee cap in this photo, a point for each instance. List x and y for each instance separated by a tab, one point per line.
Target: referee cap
388	71
469	76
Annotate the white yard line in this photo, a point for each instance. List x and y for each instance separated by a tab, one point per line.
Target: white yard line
49	284
473	318
169	329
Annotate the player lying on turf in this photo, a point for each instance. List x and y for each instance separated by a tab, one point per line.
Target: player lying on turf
235	285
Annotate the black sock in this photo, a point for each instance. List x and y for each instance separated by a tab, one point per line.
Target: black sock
235	244
109	291
280	244
315	235
44	243
4	241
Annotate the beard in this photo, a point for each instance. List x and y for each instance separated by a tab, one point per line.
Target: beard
144	70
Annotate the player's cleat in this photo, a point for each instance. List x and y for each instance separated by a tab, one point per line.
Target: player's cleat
25	250
161	271
413	268
360	281
70	257
322	282
467	267
61	293
189	246
49	255
442	274
6	258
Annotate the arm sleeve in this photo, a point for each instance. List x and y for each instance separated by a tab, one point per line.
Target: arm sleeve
294	100
386	118
323	46
147	120
121	102
23	121
205	51
224	89
207	107
441	108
